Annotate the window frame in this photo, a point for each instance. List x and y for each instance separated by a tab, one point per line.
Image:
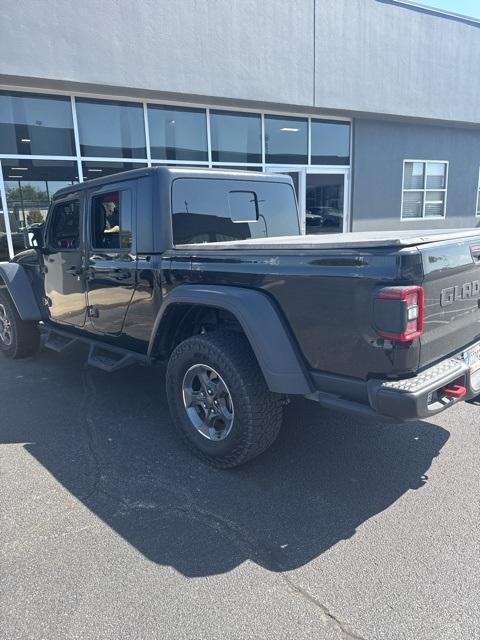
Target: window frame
424	190
118	187
48	229
477	207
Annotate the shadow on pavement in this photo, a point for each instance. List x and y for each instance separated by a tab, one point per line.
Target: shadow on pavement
108	440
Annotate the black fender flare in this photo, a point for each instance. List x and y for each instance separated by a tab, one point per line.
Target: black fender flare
20	289
277	353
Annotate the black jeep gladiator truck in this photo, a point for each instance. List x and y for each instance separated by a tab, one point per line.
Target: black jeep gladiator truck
206	269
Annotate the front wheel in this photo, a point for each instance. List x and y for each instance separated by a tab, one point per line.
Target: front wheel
18	338
219	400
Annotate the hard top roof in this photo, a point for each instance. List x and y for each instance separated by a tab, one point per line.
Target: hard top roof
171	173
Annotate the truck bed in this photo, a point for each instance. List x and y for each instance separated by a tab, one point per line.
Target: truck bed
357	240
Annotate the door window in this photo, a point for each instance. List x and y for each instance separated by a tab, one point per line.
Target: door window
111	221
65	226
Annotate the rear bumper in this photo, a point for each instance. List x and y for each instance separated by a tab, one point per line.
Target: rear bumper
418	397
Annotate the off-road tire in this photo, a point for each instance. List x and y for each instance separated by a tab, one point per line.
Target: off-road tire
257	411
24	336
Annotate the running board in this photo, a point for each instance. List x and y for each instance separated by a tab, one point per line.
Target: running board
104	358
59	342
101	355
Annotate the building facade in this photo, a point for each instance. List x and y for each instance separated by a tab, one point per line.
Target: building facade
372	106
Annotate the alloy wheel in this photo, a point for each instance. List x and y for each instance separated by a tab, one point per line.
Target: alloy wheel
5	327
208	402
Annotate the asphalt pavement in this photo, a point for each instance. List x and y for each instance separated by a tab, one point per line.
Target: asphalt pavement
110	529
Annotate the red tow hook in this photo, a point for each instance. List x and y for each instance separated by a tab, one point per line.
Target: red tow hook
455	391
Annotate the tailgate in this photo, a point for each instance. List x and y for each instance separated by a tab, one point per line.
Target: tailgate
452	297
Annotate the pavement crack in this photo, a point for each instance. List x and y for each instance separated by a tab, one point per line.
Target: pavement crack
241	537
345	629
87	423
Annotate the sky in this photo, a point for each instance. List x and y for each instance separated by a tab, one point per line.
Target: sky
466	7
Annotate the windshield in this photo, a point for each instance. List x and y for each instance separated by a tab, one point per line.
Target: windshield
218	210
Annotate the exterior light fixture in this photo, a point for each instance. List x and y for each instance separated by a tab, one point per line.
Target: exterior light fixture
95	170
290	129
26	140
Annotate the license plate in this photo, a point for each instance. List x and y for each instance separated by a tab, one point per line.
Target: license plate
472	358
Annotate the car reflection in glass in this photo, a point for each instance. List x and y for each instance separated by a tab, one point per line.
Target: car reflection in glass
324	217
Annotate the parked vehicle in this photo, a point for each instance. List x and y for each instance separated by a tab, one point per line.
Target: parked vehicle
324	216
207	270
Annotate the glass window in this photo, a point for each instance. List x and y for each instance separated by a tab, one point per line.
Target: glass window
31	124
177	133
434	204
112	220
30	185
414	175
424	189
236	137
412	204
286	140
111	129
436	173
64	229
330	142
202	210
324	203
98	169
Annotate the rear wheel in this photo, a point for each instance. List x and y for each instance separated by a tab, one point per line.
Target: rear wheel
219	400
18	338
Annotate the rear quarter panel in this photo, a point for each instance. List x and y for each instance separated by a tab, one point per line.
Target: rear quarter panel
326	300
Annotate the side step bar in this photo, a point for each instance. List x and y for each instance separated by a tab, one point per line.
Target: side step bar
59	343
102	356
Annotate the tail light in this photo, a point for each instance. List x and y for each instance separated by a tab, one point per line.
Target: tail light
399	313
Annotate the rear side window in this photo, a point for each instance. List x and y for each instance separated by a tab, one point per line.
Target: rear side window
111	220
212	210
65	226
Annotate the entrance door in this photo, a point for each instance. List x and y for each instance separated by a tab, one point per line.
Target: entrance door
63	263
322	197
326	200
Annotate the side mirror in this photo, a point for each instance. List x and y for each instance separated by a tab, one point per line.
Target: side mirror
33	236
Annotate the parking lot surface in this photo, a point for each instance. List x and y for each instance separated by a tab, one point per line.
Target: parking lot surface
343	530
